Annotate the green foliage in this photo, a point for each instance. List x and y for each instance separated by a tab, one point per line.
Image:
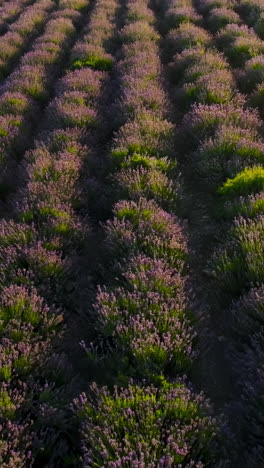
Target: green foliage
250	180
95	62
7	408
21	309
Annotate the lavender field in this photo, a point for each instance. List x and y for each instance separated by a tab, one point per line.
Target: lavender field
131	233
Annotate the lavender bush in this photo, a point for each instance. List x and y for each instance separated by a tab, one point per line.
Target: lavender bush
132	432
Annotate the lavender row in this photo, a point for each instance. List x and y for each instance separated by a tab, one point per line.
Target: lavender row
20	33
46	208
94	50
223	142
239	268
142	318
206	91
28	87
10	12
37	272
245	51
252	12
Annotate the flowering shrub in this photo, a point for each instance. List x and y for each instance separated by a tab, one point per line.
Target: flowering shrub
240	44
145	136
146	320
186	36
240	265
131	430
231	150
231	32
204	120
253	73
175	16
151	183
139	31
15	104
137	62
86	81
219	17
137	11
216	87
251	9
249	206
244	49
71	114
144	227
31	81
145	96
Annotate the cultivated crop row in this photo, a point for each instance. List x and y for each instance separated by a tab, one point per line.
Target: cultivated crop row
239	266
222	145
36	253
16	40
142	317
28	88
10	12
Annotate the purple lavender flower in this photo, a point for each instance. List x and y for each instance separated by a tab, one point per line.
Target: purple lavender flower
126	427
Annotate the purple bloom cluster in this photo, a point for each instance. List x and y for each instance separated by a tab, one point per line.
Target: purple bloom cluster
138	72
186	36
144	226
206	80
146	319
146	427
239	44
177	14
218	14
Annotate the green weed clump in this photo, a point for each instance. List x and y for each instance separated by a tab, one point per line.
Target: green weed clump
95	62
250	180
